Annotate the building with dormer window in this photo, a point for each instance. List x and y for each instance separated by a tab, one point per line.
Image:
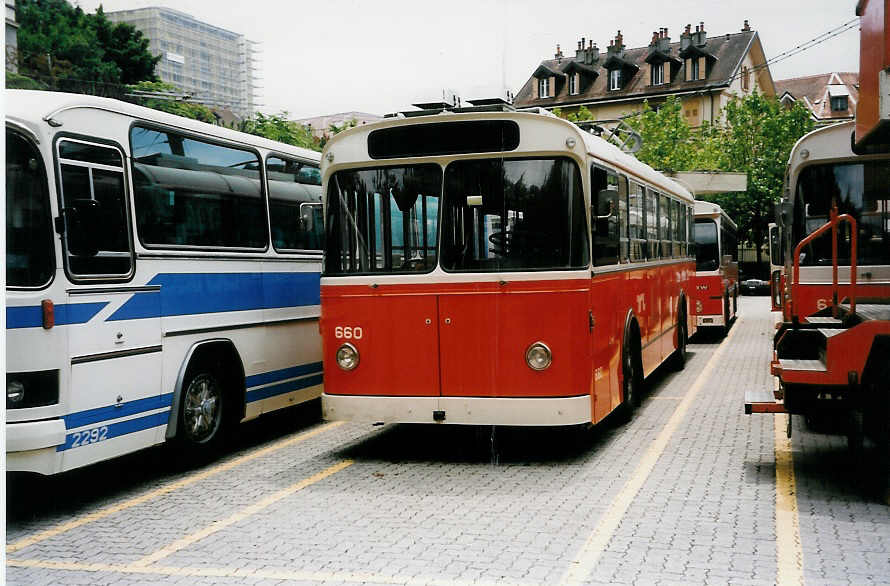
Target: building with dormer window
704	72
830	97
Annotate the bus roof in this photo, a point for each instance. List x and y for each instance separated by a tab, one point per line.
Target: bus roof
354	142
706	209
828	142
34	105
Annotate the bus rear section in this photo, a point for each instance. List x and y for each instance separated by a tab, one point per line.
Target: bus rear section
460	289
715	288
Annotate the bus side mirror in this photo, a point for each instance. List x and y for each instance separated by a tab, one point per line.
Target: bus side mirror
606	204
775	246
307	215
775	289
83	227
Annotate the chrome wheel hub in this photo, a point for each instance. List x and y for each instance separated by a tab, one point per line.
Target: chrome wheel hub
201	409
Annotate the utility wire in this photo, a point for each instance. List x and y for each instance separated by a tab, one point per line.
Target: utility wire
851	24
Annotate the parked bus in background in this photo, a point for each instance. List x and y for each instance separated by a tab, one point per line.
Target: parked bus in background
715	288
162	279
493	267
832	351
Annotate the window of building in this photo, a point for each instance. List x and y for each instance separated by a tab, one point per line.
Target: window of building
746	79
839	103
614	79
544	87
573	84
695	71
657	73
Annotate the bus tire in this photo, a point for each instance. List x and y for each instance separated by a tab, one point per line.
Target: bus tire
726	313
678	358
203	410
631	369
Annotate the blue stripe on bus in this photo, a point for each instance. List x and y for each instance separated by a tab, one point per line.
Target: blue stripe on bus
98	414
65	314
195	293
118	429
265	378
281	389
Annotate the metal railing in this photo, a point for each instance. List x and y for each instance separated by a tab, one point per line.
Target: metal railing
834	220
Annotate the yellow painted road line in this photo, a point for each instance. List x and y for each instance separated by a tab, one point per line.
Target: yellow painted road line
789	554
586	559
102	513
240	515
264	573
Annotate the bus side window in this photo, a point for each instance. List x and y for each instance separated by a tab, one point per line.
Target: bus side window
604	215
624	249
652	225
295	204
664	225
636	222
97	230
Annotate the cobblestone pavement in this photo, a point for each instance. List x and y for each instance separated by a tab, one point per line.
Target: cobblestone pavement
686	493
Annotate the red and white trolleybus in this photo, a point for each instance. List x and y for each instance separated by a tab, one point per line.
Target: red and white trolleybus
715	290
496	268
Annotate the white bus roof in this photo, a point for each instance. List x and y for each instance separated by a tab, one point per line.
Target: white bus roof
33	106
350	146
706	209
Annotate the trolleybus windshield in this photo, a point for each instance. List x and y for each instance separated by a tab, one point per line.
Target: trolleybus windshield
707	253
859	189
513	214
383	220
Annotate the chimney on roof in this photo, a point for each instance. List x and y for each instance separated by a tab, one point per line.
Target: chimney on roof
686	38
747	27
558	54
664	41
616	46
593	53
700	37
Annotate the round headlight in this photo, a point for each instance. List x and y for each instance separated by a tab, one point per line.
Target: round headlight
538	356
347	356
15	391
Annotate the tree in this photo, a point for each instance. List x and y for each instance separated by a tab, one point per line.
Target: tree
125	46
333	129
666	136
166	101
278	127
757	139
65	47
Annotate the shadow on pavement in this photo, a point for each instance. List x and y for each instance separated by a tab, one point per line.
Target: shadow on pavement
30	497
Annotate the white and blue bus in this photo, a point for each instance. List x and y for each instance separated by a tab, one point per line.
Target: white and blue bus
162	279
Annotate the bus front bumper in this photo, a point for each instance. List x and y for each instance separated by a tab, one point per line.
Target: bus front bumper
710	320
31	446
33	435
538	411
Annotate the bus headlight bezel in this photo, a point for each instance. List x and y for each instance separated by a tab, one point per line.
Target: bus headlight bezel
347	357
538	356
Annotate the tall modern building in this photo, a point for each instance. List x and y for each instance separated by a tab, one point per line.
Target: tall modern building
213	65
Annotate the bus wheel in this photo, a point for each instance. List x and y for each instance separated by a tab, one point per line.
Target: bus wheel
631	385
203	408
678	359
726	313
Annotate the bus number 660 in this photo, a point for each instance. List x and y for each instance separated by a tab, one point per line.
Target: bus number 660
348	333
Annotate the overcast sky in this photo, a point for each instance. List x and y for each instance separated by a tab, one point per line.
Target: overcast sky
330	56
